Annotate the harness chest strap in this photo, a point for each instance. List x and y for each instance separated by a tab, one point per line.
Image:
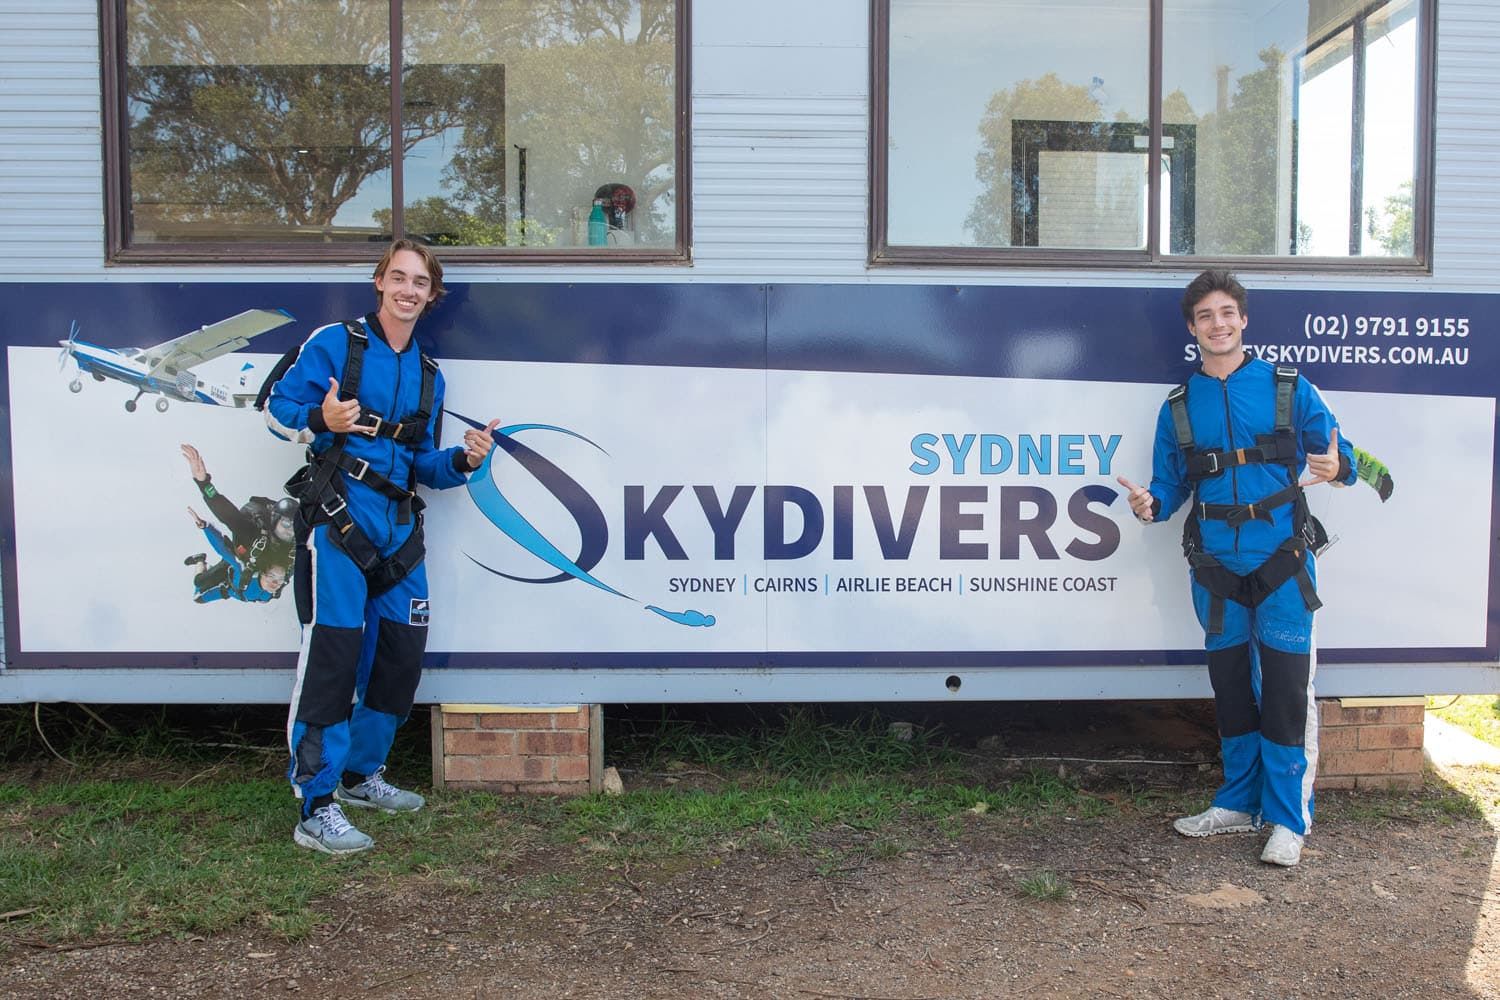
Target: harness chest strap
1279	447
410	428
1289	561
322	490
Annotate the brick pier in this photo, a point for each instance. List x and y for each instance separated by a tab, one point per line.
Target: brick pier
550	750
1370	743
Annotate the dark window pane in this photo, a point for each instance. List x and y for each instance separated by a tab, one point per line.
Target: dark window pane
257	123
515	125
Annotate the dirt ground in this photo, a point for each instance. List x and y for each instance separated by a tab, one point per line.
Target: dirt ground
1381	906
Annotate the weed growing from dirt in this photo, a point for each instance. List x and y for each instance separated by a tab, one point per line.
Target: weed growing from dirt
1044	886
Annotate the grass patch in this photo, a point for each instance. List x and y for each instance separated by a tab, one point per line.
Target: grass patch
1044	886
1437	801
1477	714
800	740
169	828
137	858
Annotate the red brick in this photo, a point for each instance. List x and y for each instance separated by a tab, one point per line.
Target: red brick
1389	737
1338	738
1389	782
460	769
507	768
561	744
458	720
479	744
1406	762
518	720
572	720
1332	783
498	787
1331	713
572	769
555	788
536	768
1356	762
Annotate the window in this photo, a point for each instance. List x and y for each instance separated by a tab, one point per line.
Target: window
1275	133
319	129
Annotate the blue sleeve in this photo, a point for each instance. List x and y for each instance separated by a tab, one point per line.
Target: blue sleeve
1169	483
1315	424
220	544
437	468
290	408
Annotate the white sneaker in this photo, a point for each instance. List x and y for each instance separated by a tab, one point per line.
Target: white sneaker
1284	848
329	831
377	793
1215	820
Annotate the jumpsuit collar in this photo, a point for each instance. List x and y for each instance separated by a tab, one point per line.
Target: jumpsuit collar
372	320
1245	359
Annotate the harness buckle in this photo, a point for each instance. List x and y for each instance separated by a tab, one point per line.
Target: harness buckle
364	467
1213	462
375	431
332	512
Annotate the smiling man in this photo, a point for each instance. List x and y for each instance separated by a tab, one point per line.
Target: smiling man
368	403
1236	439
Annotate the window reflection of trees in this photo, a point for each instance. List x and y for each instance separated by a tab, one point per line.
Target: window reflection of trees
225	146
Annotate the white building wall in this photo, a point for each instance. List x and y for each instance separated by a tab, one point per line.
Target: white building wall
780	153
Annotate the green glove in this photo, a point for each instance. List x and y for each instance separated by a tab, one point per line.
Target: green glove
1374	472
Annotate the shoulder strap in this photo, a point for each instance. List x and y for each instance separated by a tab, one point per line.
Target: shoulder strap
1286	389
354	362
1177	400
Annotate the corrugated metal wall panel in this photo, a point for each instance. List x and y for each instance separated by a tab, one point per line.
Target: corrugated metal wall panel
1466	225
780	146
780	186
51	166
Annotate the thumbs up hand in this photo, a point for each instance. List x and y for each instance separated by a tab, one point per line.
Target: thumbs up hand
1323	467
1141	500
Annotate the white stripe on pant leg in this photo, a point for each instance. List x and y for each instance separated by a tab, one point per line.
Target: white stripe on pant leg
1310	731
307	631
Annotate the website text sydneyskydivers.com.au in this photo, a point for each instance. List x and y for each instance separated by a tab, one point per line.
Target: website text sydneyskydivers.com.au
1341	339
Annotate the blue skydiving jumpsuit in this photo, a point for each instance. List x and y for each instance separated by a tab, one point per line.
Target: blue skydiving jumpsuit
1261	665
242	584
357	648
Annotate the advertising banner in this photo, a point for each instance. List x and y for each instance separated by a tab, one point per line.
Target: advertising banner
734	476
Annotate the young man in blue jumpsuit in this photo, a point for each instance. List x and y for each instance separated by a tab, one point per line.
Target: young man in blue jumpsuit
364	630
1261	656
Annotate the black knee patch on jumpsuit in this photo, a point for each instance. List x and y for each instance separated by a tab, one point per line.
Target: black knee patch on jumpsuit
328	676
397	667
1234	701
1283	690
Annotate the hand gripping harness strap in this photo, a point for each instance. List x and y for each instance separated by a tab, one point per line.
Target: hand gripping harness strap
410	429
1290	559
323	491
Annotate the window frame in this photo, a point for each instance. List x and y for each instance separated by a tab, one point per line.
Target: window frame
883	254
119	250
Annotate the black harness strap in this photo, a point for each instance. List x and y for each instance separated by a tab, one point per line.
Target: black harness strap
1290	558
323	491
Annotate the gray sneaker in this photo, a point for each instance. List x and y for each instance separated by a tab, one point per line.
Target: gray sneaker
1215	820
327	830
377	793
1284	848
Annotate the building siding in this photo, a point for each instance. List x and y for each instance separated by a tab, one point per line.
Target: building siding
780	111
